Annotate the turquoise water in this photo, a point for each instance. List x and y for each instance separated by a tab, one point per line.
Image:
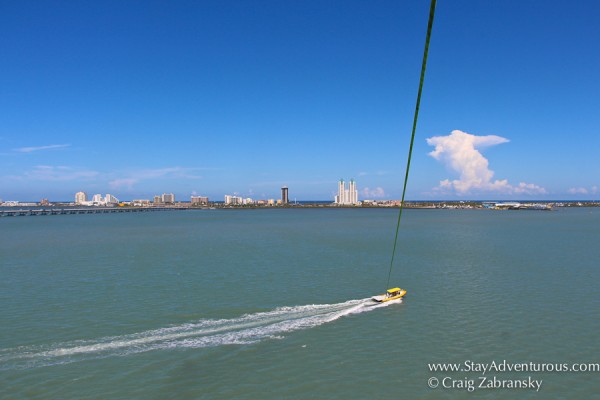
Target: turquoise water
273	304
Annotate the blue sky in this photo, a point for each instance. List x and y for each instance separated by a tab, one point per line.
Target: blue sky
221	97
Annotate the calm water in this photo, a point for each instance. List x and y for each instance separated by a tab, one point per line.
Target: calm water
273	304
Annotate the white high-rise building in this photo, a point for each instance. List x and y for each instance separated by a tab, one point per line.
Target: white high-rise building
80	198
110	199
347	196
352	192
233	200
168	198
98	200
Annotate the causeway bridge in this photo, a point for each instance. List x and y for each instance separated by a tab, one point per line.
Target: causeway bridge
88	210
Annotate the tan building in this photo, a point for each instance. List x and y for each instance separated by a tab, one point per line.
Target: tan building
199	200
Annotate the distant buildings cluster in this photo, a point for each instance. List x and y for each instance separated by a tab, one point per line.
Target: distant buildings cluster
81	198
165	198
240	201
346	196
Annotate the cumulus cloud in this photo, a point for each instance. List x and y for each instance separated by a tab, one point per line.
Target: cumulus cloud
459	151
38	148
378	192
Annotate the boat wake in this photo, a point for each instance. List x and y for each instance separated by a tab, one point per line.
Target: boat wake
247	329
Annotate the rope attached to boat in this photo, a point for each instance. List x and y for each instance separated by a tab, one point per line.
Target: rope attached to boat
414	128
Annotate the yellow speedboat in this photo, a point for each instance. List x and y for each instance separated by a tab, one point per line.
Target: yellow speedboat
391	294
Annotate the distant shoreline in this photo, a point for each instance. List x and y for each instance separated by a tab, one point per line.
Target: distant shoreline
19	209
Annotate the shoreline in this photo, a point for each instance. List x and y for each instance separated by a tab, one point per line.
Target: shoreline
33	209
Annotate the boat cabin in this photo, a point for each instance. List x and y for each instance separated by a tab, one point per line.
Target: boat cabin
393	292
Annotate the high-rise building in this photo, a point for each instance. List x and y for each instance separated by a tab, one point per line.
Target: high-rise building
352	192
98	200
80	197
110	199
339	199
284	195
233	200
347	196
168	198
199	200
157	200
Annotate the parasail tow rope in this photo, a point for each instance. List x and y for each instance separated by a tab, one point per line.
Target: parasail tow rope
414	128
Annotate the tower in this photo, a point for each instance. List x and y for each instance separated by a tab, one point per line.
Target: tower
284	195
339	199
352	193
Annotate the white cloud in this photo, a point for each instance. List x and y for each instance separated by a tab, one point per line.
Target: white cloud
57	173
38	148
459	151
179	172
122	183
133	177
583	190
114	181
377	192
528	188
578	190
377	173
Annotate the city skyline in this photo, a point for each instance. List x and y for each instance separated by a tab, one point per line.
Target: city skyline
209	99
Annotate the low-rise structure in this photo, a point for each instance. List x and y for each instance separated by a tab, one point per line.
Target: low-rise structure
140	203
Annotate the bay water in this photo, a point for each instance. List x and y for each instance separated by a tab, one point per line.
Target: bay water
275	303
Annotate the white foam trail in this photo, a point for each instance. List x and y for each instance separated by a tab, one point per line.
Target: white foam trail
249	328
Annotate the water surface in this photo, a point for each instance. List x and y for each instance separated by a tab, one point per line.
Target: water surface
255	304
